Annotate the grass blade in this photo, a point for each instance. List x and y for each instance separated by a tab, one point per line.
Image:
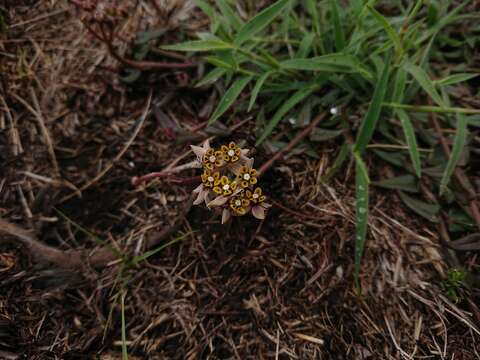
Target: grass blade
425	210
361	185
424	80
199	45
230	96
124	330
260	21
257	88
404	182
152	252
233	20
409	133
391	32
287	106
458	145
399	85
370	122
434	109
340	41
211	77
454	79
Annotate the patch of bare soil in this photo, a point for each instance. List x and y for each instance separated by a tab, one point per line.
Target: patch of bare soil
70	143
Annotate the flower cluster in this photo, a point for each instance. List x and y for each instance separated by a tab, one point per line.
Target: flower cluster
229	181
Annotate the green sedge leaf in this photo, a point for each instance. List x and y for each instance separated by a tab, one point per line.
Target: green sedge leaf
229	98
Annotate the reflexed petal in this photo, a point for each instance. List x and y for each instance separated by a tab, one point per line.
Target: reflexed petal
259	212
198	151
235	168
218	201
249	163
225	216
206	144
198	189
265	205
200	198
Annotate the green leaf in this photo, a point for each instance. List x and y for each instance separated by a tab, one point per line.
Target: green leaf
426	210
144	37
458	145
319	134
423	79
219	62
287	106
260	21
361	190
369	124
405	182
345	150
211	77
199	45
336	62
337	27
229	98
391	32
399	85
257	87
409	133
454	79
149	253
233	19
305	46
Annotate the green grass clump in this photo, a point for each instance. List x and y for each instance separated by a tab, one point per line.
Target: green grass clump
379	61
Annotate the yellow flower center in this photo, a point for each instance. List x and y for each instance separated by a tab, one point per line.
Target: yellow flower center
212	158
210	179
231	152
226	187
246	177
238	202
255	196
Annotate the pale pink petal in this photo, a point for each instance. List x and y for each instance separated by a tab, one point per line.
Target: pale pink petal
199	151
218	201
266	205
206	145
200	198
244	152
235	168
198	189
258	212
249	163
225	216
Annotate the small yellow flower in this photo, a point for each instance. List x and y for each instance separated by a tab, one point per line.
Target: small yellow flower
231	153
223	186
256	196
239	204
247	177
209	178
212	159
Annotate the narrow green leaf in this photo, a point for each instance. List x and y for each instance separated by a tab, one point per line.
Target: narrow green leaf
233	19
426	210
337	27
409	133
391	32
230	96
287	106
423	79
260	21
458	145
305	46
405	182
336	63
399	85
124	330
257	87
199	45
455	78
311	7
369	124
345	150
211	77
219	62
361	190
434	109
147	254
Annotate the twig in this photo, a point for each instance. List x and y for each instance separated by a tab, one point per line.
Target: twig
119	155
300	136
137	64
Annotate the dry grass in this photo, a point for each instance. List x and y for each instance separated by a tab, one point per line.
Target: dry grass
280	289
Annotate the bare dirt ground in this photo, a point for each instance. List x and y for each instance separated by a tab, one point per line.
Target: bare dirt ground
70	143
